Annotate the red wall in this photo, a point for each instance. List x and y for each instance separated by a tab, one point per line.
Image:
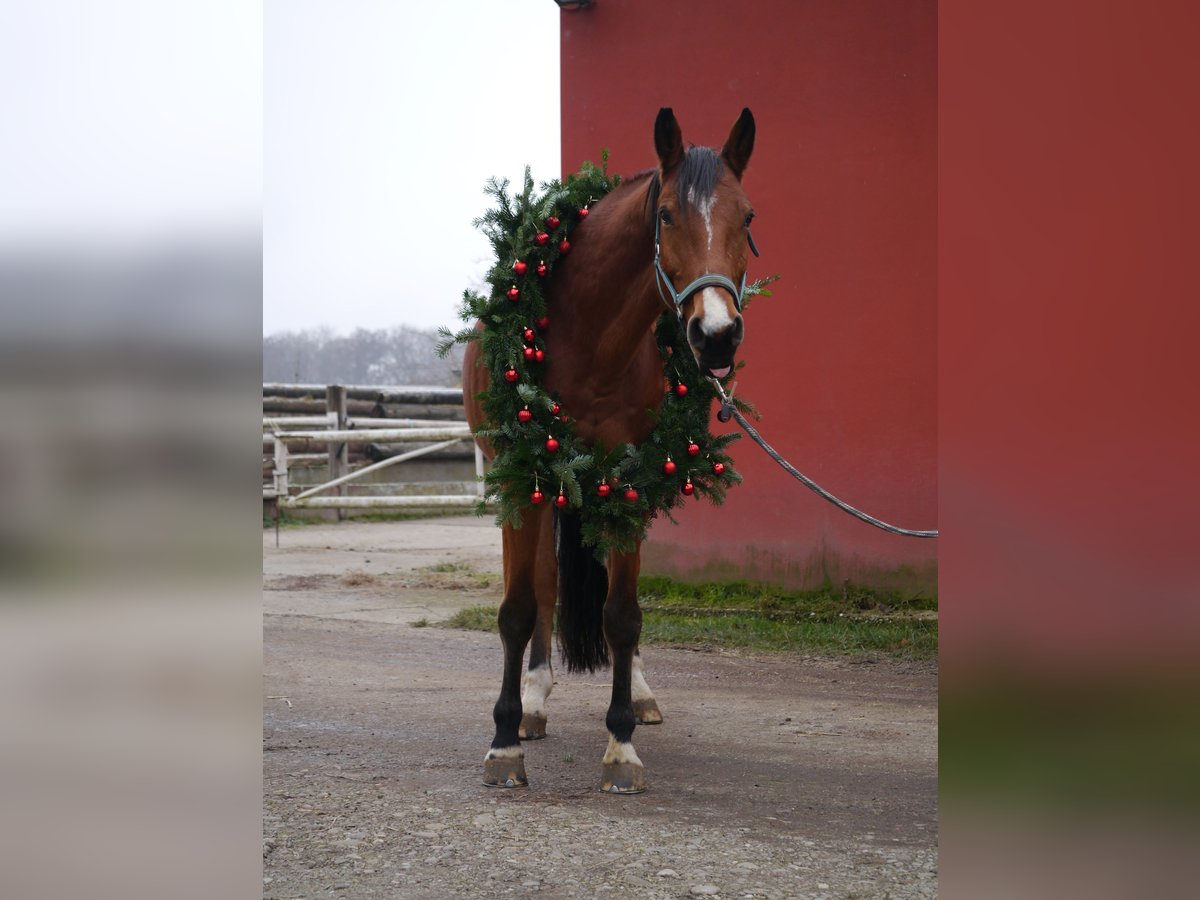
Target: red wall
842	360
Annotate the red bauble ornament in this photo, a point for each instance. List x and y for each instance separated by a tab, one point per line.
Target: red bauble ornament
555	409
681	390
528	335
542	270
603	490
551	445
669	467
552	222
543	323
536	497
583	213
689	488
539	355
511	375
718	468
564	247
528	354
519	267
542	239
631	495
513	293
525	415
693	449
560	501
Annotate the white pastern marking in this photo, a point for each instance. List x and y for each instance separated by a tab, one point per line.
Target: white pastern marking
705	208
619	752
715	318
535	688
504	753
641	690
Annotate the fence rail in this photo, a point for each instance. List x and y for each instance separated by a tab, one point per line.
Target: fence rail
338	431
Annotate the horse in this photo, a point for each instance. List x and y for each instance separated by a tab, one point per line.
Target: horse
672	227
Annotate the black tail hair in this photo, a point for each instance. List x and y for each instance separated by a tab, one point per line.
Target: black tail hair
582	587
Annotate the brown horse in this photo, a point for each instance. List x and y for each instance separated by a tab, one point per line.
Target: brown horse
691	217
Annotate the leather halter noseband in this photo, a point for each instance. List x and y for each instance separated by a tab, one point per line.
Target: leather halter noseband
708	279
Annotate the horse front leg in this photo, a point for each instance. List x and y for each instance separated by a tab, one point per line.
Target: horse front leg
622	771
504	764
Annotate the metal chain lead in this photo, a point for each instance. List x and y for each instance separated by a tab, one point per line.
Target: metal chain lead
727	409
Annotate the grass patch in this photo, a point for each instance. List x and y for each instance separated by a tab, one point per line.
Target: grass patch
453	575
912	639
447	567
421	623
288	519
779	602
473	618
404	515
845	621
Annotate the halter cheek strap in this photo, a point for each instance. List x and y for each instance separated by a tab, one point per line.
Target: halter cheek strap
677	298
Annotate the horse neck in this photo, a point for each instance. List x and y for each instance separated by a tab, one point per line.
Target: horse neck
609	302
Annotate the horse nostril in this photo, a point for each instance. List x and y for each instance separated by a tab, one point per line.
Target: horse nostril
695	333
739	329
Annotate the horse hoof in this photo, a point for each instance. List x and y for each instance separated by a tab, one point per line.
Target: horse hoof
622	778
505	772
533	728
646	712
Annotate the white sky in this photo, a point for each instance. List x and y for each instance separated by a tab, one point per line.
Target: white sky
129	121
382	121
359	133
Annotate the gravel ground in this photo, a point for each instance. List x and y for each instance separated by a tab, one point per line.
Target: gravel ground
770	777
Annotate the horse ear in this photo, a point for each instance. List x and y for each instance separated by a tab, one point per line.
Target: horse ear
668	139
740	144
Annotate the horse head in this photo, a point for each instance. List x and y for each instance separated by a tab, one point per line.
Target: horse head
702	231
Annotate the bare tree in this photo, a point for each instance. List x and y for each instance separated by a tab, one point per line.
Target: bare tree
398	355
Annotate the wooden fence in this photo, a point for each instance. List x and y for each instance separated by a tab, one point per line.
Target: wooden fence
358	431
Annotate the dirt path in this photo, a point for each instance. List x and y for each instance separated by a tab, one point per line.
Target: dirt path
771	776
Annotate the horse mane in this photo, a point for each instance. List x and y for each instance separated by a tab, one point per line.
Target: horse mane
699	172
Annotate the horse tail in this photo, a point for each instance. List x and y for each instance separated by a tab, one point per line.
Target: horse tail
582	587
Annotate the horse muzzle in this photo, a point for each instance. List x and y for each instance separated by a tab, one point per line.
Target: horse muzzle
714	352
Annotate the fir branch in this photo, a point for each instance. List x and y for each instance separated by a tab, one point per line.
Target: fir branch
758	288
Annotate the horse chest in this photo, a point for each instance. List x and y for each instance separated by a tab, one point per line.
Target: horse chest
611	407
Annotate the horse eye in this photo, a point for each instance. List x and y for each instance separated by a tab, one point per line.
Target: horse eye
749	219
665	216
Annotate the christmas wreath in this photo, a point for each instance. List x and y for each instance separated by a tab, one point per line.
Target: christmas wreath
615	490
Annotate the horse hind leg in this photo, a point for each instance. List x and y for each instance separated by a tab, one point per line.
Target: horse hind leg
538	682
539	676
645	707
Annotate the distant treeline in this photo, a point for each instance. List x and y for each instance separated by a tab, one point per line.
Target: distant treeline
401	355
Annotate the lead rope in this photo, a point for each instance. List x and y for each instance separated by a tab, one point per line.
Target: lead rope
728	409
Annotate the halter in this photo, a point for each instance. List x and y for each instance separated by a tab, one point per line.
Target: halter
708	279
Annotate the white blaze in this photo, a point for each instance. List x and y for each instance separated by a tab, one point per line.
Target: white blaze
705	208
714	311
